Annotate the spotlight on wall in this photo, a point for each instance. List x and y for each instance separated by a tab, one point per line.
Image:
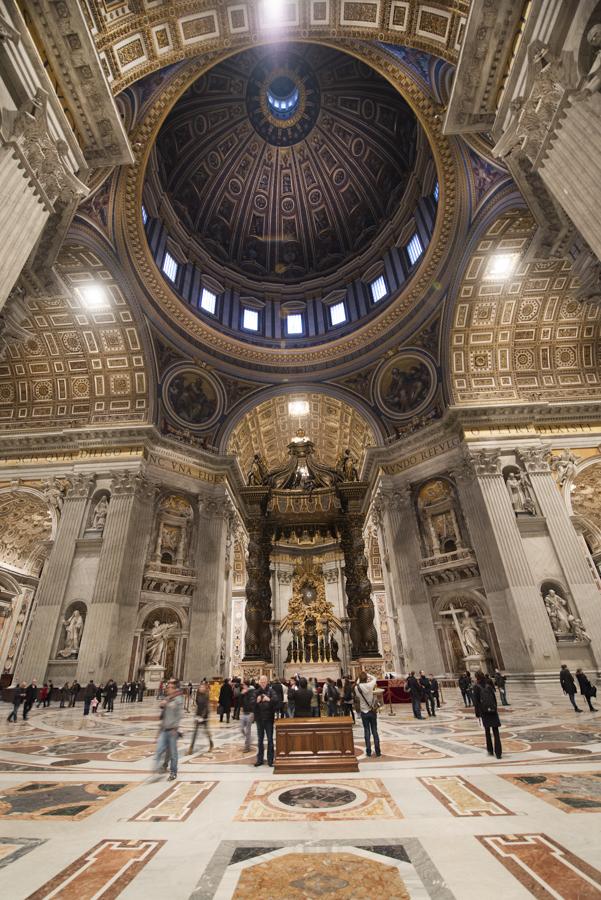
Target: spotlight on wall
501	265
94	295
298	408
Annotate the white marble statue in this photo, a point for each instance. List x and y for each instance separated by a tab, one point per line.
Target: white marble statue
470	635
565	465
100	513
73	628
558	611
53	493
593	79
518	494
578	629
157	642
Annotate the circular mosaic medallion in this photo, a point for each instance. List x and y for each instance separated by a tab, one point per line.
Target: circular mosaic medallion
317	797
192	397
405	384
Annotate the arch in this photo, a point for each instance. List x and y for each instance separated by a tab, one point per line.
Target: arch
523	336
129	52
27	525
262	424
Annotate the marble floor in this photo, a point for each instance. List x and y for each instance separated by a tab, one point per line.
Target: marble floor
434	816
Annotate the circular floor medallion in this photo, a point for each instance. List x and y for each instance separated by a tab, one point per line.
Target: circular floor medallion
314	797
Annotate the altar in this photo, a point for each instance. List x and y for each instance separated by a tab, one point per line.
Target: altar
319	671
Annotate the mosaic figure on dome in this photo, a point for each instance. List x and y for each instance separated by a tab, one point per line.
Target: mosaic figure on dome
192	397
73	628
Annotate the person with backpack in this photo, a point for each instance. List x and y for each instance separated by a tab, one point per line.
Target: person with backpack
414	689
485	708
368	708
566	680
331	695
426	686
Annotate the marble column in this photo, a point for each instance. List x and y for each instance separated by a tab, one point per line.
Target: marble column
48	602
105	641
398	534
258	592
360	607
206	610
525	637
566	543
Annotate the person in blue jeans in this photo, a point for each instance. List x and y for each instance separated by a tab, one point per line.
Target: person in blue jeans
172	708
364	691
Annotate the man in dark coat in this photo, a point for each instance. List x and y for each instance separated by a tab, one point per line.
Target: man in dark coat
265	704
75	689
426	686
485	708
278	690
413	687
435	689
500	685
202	716
587	689
566	680
302	700
88	696
141	689
19	695
31	694
226	695
465	686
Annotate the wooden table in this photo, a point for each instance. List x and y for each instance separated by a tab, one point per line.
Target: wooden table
315	745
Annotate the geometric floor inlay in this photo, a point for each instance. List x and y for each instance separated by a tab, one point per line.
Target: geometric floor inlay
577	792
544	867
13	848
317	801
67	800
462	798
102	872
176	803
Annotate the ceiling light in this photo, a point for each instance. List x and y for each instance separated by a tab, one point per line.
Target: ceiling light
501	265
297	408
272	12
94	295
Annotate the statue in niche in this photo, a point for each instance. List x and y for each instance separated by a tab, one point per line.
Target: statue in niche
73	628
100	513
470	634
578	629
347	467
558	612
157	643
519	494
258	471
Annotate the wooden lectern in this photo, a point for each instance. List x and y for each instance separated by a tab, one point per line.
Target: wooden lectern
315	745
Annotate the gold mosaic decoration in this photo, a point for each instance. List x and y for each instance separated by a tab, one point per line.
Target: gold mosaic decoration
129	47
526	336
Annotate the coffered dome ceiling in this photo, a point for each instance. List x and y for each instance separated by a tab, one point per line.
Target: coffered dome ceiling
287	162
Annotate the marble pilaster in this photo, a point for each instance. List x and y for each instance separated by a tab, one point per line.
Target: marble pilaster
398	535
525	637
107	635
206	620
48	601
567	545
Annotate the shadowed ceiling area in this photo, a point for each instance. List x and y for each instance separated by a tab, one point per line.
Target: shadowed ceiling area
330	423
285	161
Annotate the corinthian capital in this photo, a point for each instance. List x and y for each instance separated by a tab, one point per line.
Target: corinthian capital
209	507
79	486
126	482
485	462
534	459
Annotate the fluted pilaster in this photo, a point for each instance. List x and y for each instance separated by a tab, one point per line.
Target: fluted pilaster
103	653
206	612
399	534
50	594
521	623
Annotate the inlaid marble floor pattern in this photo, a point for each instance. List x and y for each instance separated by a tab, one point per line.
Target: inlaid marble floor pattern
434	816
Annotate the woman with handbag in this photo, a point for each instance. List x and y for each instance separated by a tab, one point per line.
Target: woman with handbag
587	689
368	707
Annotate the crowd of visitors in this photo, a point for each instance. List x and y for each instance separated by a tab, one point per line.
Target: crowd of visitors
260	702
